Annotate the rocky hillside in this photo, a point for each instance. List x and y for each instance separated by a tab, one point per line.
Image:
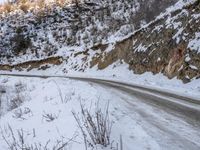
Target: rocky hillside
43	31
170	45
100	33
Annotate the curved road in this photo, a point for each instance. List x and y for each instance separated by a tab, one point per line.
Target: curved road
185	110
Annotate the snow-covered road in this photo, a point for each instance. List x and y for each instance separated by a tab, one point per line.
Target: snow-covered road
187	107
171	120
167	125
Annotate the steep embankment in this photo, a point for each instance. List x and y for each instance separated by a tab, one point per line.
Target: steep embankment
170	45
35	64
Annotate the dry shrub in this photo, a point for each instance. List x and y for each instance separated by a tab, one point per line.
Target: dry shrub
96	129
24	7
16	102
7	7
18	141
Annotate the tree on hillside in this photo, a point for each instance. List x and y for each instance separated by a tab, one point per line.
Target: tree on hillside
20	43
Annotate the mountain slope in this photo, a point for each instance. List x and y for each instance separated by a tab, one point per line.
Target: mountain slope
168	44
44	31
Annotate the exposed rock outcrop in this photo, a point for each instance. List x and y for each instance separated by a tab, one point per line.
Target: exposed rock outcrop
163	46
29	65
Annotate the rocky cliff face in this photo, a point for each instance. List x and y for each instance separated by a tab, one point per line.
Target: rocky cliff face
170	45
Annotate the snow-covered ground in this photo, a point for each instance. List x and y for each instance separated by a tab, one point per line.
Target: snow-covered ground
141	126
59	97
119	72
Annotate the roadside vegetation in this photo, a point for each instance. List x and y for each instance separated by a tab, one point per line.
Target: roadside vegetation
93	123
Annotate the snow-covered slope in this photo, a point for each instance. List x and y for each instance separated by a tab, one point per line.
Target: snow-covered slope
54	30
83	42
